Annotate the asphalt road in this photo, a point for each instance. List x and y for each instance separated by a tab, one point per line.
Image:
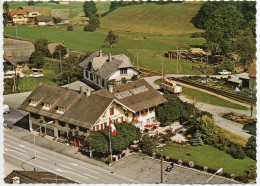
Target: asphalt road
17	152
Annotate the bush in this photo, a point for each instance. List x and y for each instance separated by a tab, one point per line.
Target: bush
213	171
185	163
241	179
173	160
69	28
198	167
237	152
226	175
89	28
196	35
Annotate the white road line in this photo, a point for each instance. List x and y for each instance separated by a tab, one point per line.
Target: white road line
17	152
71	173
91	176
74	164
39	166
63	166
30	148
15	147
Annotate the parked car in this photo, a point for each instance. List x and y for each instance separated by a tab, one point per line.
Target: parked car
6	109
36	74
224	72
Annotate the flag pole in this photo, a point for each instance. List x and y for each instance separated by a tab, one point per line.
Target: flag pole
110	141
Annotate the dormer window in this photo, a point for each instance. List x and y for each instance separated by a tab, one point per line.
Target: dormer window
123	71
46	106
61	110
34	102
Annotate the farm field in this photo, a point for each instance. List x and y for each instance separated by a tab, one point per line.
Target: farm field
211	157
148	45
210	99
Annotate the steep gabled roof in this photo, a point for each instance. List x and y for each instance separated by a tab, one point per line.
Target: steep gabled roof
137	95
44	18
16	12
36	177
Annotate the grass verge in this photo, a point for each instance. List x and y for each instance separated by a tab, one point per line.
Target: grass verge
209	99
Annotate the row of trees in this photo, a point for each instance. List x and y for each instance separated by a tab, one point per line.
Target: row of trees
229	28
126	134
90	11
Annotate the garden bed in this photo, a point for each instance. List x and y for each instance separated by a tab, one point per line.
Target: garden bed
239	118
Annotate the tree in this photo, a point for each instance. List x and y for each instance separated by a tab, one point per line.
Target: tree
89	28
60	51
97	141
41	45
197	141
30	3
70	68
227	64
146	143
89	8
6	14
94	21
222	28
251	174
36	60
111	38
237	152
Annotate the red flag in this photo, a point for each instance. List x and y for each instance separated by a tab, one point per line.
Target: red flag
112	127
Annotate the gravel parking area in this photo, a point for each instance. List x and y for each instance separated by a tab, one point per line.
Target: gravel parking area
147	170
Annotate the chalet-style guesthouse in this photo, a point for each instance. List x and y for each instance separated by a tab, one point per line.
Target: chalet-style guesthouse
98	68
75	113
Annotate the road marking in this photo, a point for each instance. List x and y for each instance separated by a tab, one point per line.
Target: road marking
39	166
15	147
60	170
30	148
84	167
63	166
91	176
17	152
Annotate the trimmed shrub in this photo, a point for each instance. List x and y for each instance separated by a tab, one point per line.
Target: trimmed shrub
226	175
173	160
69	28
213	171
198	167
158	156
237	152
185	163
241	179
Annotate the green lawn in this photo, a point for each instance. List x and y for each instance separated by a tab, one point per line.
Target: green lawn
251	128
50	71
209	99
211	157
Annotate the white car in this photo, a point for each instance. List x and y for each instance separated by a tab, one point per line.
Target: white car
224	72
36	74
6	109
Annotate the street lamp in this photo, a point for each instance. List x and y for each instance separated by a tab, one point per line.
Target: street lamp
35	167
218	171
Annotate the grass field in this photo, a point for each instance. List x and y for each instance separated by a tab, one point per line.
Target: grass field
172	18
211	157
50	71
148	48
210	99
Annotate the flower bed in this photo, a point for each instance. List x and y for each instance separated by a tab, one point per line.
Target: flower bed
239	118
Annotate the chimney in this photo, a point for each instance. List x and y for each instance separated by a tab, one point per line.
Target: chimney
110	88
88	93
109	57
16	179
100	53
81	89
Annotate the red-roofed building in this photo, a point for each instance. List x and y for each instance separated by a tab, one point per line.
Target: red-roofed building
19	16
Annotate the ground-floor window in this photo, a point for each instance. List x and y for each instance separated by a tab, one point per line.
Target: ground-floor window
82	129
62	134
152	119
50	131
34	126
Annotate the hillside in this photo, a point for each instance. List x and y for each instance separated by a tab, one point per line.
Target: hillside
150	18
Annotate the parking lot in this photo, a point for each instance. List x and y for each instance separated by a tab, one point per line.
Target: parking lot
147	170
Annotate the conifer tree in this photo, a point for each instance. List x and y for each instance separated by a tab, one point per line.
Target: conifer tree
197	141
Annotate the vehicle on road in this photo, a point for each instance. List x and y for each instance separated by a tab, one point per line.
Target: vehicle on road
36	75
224	72
6	109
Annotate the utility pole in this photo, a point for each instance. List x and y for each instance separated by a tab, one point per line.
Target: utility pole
60	62
62	37
137	59
16	32
161	168
177	60
207	68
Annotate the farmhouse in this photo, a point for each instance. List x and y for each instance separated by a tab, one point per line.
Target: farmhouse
44	20
32	11
19	16
18	52
76	113
60	17
98	68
